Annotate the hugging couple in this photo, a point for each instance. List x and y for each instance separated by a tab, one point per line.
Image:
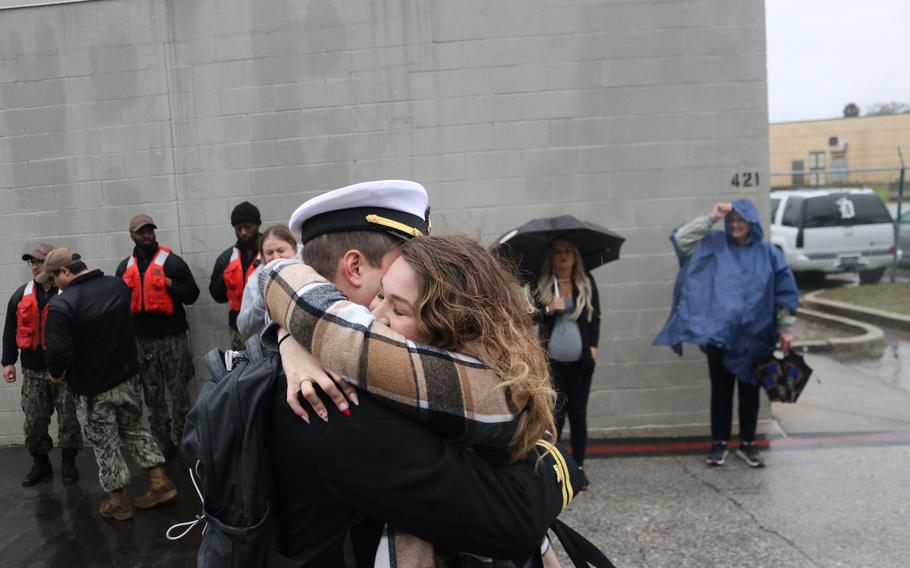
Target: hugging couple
428	440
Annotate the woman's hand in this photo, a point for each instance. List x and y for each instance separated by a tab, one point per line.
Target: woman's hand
785	340
593	352
302	370
557	305
720	210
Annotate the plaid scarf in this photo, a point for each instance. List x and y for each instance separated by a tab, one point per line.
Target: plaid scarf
454	394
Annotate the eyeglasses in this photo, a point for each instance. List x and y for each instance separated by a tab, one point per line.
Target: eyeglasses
737	221
34	262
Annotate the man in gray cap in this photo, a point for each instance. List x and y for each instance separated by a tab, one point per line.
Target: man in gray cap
24	331
91	346
234	266
160	284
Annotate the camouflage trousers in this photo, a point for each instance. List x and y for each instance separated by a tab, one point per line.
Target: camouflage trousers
40	397
109	419
167	367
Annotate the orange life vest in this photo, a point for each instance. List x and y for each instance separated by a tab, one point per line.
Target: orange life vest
235	279
30	325
149	293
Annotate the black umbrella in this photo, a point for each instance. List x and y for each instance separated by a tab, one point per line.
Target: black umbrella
528	245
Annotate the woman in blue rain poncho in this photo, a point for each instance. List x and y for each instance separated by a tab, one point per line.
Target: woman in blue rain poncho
735	297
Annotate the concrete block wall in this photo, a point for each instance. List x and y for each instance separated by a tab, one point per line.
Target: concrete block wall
634	114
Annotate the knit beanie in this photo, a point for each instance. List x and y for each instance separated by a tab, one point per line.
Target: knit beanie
245	212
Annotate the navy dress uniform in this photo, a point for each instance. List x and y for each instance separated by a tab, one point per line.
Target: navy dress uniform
338	481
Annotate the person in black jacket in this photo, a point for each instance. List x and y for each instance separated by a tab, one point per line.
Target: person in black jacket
570	326
160	284
235	265
91	346
23	332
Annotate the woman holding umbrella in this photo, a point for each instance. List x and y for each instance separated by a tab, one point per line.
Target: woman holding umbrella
570	327
556	253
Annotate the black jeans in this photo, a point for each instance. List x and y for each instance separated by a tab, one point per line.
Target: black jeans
722	384
572	382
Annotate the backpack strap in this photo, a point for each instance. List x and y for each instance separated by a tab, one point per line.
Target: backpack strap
255	349
581	551
214	362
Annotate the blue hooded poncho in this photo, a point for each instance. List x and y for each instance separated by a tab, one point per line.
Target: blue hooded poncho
727	294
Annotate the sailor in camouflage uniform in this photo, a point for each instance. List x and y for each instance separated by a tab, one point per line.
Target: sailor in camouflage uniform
160	284
91	345
24	332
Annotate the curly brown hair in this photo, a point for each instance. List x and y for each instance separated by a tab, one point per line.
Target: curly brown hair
472	303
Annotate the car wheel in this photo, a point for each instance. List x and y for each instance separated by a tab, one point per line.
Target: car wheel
871	276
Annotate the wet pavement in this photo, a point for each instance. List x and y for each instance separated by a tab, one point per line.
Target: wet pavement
834	494
50	525
890	365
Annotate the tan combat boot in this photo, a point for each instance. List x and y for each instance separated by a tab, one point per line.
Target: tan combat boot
160	490
117	507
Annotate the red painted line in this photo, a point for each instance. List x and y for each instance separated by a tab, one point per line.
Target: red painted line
803	440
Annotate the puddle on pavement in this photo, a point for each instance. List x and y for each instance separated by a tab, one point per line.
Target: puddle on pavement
884	365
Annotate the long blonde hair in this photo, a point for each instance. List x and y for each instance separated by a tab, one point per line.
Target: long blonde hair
580	281
470	302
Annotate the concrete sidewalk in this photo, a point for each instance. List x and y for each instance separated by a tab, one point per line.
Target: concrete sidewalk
835	493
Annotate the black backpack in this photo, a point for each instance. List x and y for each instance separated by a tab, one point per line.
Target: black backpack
224	445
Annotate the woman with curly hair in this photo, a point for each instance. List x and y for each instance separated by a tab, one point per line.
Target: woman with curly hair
449	340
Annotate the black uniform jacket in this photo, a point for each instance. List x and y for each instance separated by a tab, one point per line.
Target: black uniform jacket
183	290
217	288
590	330
31	360
380	464
90	334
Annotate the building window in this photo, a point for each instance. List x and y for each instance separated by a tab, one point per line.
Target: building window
798	167
839	172
816	168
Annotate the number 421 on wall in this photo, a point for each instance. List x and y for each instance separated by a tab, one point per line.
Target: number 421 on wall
745	179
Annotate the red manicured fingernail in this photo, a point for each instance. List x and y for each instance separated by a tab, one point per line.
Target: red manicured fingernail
346	411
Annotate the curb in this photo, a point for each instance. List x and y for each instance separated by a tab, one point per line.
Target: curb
876	317
868	335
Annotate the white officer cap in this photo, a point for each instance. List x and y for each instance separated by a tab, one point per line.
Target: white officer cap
398	207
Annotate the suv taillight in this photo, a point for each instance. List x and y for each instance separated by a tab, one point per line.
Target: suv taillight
892	249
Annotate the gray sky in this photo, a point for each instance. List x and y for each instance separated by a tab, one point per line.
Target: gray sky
823	54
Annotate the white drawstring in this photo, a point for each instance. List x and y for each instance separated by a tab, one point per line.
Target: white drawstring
190	525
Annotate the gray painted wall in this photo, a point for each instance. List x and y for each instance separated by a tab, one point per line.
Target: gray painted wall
633	114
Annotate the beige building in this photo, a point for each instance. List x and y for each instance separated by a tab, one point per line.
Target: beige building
635	115
840	151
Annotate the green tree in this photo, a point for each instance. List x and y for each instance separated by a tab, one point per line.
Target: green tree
882	109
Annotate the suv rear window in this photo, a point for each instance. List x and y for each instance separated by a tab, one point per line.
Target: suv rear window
775	203
845	209
792	212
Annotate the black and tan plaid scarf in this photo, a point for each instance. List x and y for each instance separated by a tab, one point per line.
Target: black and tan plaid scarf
454	394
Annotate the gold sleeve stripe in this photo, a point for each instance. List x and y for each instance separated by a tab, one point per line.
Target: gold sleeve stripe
392	224
562	472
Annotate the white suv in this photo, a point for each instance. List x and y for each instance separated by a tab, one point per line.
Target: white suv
833	230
